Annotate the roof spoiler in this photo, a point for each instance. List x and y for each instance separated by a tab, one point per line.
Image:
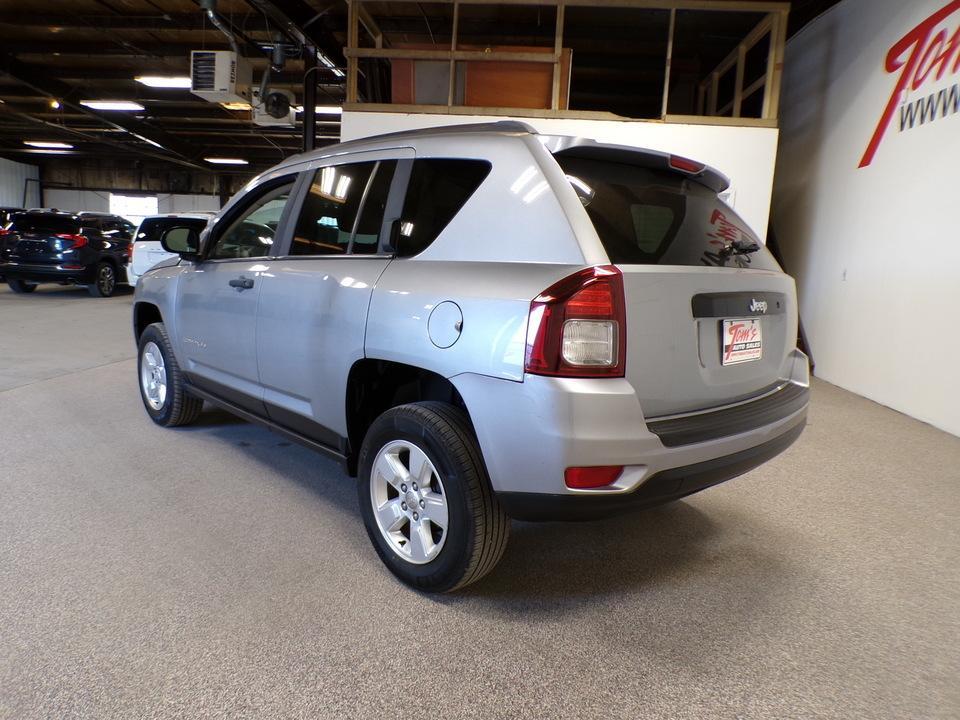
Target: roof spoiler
652	159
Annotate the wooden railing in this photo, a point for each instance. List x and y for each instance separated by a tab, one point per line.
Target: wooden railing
774	24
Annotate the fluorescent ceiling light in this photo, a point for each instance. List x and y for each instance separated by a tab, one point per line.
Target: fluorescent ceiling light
148	140
323	109
225	161
50	152
329	64
111	105
164	81
45	144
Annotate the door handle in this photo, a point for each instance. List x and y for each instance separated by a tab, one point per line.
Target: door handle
242	283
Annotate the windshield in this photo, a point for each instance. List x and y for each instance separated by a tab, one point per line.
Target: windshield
45	223
653	217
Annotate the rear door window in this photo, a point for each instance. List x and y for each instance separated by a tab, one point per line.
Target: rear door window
652	217
330	208
437	190
111	228
366	238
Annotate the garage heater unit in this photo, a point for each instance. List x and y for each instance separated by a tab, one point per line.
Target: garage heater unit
220	76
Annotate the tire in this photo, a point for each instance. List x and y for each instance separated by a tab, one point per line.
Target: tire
105	281
21	286
174	406
476	529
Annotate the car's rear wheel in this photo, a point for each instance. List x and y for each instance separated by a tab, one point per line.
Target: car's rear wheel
21	286
162	387
426	500
105	281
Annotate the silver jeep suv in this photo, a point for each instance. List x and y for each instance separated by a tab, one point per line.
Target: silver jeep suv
483	323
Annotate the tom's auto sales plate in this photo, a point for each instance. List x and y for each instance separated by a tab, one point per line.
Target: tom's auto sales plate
742	341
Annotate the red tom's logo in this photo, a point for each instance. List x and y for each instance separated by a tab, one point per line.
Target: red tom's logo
921	56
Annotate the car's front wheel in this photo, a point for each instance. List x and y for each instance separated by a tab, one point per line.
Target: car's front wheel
105	281
162	387
21	286
426	500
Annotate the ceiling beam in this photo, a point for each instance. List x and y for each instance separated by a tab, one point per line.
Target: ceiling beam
51	46
165	21
70	96
300	22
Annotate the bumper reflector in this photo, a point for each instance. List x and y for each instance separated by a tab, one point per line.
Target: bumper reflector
591	477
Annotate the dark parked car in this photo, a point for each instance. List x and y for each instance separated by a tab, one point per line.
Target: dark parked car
89	249
111	225
6	214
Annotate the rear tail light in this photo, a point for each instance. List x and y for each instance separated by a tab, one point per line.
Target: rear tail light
5	232
577	326
582	478
69	241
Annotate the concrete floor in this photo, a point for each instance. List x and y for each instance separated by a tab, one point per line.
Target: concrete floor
217	571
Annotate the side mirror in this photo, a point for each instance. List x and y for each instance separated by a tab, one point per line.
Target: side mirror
182	241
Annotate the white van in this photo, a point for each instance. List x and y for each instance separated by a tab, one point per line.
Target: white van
146	250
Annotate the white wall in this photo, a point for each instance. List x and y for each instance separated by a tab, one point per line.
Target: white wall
13	176
875	249
188	203
70	200
745	154
99	200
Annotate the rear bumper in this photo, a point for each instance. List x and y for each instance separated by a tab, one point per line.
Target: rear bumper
47	273
530	432
665	486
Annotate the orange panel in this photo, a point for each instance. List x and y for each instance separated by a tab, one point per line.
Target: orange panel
514	84
401	82
492	83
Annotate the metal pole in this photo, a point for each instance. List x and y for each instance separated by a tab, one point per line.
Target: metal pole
666	72
557	55
223	189
452	88
310	98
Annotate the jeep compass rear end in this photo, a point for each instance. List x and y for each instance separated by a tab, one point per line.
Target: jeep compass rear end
483	323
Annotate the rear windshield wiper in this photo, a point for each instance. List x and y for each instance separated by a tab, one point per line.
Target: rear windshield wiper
743	246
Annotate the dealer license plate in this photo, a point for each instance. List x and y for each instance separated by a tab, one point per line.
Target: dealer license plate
742	341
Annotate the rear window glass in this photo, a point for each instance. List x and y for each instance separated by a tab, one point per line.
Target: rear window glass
438	189
651	217
152	229
42	223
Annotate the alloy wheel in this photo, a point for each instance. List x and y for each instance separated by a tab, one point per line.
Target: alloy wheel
409	502
106	280
153	376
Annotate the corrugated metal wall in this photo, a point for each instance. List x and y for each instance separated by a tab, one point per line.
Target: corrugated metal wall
13	180
99	201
